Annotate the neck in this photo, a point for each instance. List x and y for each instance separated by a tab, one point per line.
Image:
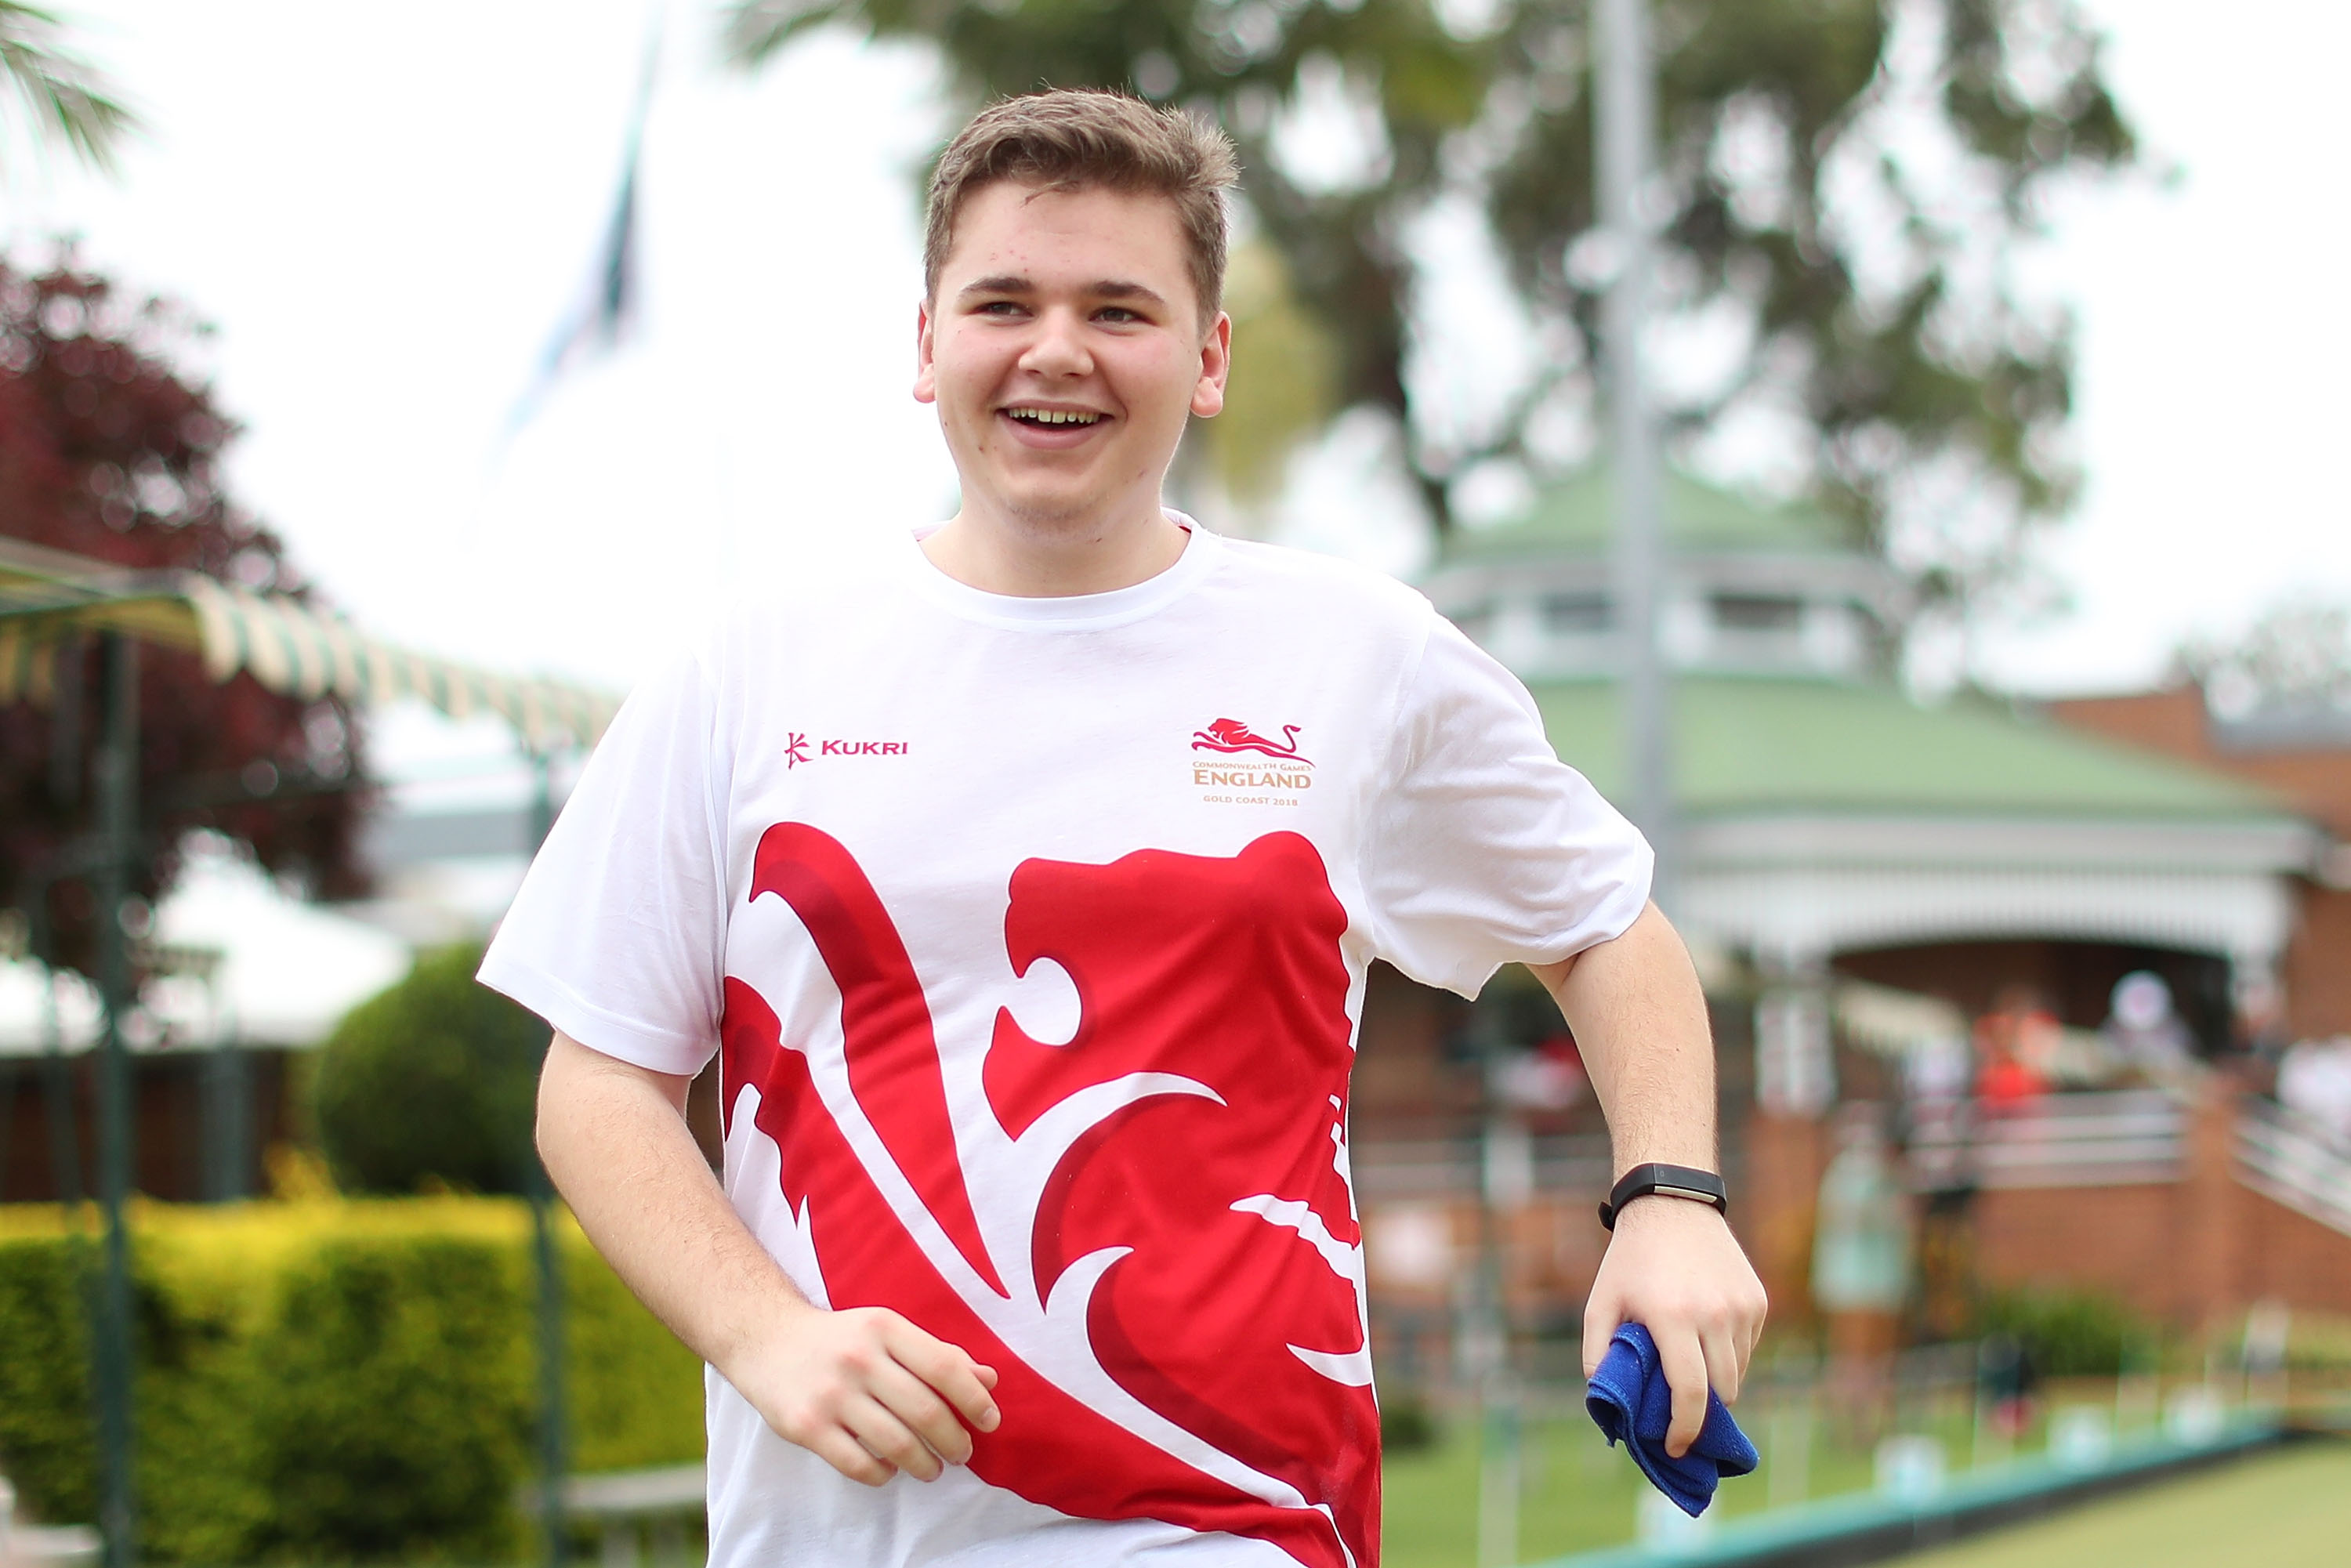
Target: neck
1029	558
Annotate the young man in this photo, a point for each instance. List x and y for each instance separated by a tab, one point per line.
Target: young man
1027	879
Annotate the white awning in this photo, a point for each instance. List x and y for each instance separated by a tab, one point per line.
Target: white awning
1795	891
285	644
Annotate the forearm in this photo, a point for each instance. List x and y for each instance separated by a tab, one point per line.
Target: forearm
864	1389
614	1138
1639	1018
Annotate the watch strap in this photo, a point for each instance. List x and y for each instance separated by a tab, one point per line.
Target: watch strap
1666	1181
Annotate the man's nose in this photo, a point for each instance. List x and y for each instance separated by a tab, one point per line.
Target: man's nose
1058	349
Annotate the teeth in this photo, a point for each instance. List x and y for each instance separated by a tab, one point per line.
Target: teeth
1052	416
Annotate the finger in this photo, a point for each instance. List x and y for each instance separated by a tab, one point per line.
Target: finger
1724	1365
1751	1336
1684	1364
889	1439
837	1447
949	1370
1601	1319
912	1400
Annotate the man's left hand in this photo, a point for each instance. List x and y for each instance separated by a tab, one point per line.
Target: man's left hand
1673	1268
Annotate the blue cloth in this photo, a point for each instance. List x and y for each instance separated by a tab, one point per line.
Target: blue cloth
1631	1402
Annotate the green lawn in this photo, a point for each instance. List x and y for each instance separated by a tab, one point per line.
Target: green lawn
1577	1493
2292	1509
2288	1509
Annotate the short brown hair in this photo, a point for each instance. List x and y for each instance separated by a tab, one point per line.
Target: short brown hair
1069	140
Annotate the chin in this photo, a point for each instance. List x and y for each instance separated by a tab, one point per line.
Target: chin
1054	509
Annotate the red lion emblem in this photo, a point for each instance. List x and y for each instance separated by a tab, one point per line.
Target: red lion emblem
1174	1302
1232	735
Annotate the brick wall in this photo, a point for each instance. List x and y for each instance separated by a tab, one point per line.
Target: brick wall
167	1141
2194	1251
2119	1241
2293	1257
2318	971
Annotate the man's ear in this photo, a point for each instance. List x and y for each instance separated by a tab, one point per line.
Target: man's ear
1216	365
926	370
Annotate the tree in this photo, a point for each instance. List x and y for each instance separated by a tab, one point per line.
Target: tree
2293	661
432	1081
108	451
1841	185
61	94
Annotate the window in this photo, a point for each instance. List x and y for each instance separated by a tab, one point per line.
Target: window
1754	614
1575	612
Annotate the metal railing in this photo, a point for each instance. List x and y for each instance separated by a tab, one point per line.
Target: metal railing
2292	1160
2109	1138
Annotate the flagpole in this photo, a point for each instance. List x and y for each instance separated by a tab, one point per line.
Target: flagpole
1625	110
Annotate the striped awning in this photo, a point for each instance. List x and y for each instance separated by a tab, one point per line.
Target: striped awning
46	596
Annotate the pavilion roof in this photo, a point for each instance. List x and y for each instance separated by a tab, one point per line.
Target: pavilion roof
1747	744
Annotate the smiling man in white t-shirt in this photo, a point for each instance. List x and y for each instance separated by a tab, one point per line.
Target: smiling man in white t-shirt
1025	879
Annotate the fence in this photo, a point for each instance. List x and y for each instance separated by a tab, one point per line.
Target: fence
2291	1160
2111	1138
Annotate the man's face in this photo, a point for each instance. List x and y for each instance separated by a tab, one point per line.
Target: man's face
1064	350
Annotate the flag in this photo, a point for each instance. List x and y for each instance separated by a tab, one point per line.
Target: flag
606	306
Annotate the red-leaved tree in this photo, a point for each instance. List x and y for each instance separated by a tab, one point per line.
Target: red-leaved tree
110	450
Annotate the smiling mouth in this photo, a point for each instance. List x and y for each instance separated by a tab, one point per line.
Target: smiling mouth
1051	418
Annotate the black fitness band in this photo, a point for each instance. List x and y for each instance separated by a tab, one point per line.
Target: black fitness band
1670	1181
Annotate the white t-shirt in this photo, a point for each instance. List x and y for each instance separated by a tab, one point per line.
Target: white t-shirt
1034	934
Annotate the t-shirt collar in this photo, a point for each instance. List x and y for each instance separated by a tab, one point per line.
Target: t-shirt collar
1067	613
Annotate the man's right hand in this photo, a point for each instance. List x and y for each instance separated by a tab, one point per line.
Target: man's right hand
863	1388
866	1391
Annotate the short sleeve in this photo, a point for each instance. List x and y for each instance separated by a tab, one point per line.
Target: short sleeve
1485	849
617	937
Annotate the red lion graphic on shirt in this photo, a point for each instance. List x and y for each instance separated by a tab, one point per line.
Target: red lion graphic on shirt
1174	1302
1232	735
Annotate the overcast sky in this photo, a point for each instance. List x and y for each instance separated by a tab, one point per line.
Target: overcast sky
387	213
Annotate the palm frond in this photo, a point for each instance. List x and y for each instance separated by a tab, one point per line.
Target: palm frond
756	29
62	94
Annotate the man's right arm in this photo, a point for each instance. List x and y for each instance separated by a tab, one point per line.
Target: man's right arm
864	1389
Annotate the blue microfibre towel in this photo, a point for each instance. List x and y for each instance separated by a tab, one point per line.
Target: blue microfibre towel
1633	1404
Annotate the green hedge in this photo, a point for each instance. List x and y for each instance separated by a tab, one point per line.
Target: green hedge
430	1084
2072	1333
329	1382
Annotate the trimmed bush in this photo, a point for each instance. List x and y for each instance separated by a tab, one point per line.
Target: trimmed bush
329	1382
429	1085
46	1440
2071	1333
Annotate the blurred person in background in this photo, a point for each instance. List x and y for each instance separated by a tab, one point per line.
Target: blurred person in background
2314	1080
2146	1031
1939	1113
2015	1043
1861	1268
1027	877
2005	1380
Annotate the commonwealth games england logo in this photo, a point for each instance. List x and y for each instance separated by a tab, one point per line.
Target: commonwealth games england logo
1239	758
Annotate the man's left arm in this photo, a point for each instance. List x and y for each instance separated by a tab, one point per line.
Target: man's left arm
1672	1265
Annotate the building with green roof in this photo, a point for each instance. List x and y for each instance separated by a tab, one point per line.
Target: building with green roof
1821	813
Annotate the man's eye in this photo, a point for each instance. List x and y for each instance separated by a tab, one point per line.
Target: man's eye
1117	313
1000	308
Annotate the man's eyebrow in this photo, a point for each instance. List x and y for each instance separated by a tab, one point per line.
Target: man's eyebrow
1120	289
1108	288
1002	283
